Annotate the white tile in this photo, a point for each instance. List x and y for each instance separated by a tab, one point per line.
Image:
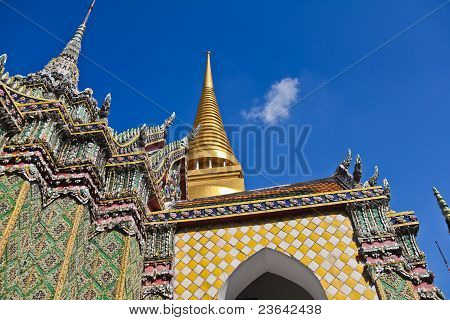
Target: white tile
359	288
319	231
321	241
331	290
197	236
313	266
309	243
311	254
235	263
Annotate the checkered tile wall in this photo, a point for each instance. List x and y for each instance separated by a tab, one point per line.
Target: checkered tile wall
205	257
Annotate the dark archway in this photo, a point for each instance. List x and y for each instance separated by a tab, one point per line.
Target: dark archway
270	274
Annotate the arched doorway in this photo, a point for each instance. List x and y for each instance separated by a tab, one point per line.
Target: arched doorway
270	274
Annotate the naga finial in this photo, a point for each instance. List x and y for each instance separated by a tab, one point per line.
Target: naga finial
372	182
386	184
348	160
191	136
357	172
3	59
168	122
106	106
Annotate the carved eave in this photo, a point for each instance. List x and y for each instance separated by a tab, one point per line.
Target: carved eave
281	205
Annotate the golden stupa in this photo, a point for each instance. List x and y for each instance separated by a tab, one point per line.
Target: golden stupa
213	167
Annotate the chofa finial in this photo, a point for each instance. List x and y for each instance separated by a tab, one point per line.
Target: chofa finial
3	59
106	106
357	172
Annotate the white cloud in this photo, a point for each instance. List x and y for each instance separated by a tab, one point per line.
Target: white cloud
277	101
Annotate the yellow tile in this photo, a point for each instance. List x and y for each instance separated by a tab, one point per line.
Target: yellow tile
339	234
276	240
239	235
192	264
239	245
342	246
227	237
326	235
203	251
328	246
354	295
302	238
203	240
215	250
229	269
337	283
351	282
241	257
192	288
264	242
180	244
334	271
316	248
339	296
192	253
289	238
206	297
204	262
179	290
250	233
216	260
205	286
214	238
306	260
344	258
314	236
319	259
321	272
228	258
369	294
227	247
252	243
275	230
291	250
218	284
303	249
262	232
217	272
347	270
192	276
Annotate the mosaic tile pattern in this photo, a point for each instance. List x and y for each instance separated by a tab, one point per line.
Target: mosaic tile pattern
30	265
204	258
36	249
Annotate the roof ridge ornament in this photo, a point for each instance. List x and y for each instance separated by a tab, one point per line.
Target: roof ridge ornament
64	67
443	206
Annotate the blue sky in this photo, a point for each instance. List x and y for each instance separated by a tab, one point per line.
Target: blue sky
393	108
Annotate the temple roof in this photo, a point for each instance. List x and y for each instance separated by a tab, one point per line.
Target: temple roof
302	188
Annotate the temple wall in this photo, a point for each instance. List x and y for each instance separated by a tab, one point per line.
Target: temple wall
206	257
48	253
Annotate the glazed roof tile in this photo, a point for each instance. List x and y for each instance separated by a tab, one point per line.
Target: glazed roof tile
302	188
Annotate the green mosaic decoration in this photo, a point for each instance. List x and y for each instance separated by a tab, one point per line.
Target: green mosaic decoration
394	287
134	272
36	248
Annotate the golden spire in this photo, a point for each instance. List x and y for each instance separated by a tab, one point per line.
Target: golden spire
213	167
211	141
